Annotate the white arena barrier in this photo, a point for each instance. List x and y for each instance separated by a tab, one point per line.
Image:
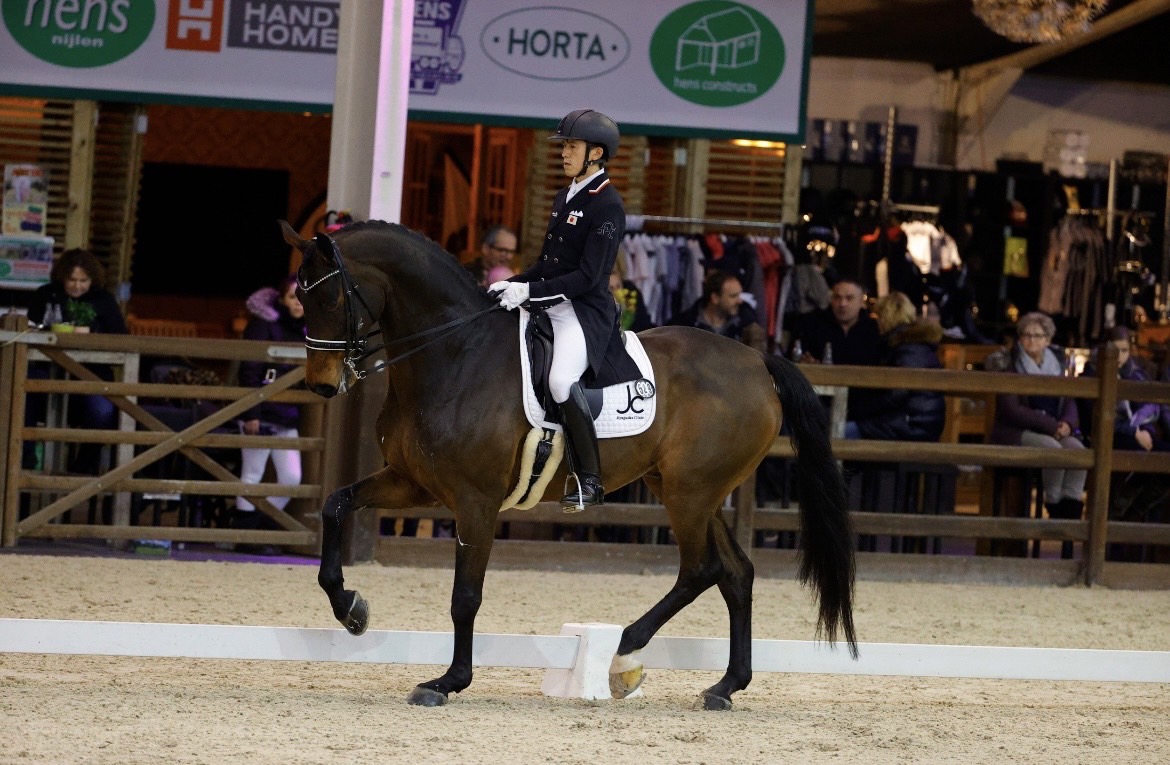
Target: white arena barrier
577	661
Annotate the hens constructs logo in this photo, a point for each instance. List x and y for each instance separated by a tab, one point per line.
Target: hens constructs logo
555	44
717	53
79	34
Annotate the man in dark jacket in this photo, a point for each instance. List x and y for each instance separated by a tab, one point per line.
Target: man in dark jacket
721	310
851	333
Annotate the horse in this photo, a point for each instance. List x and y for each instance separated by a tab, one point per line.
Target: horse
453	423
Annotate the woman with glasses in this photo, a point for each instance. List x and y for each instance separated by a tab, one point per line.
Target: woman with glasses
1042	420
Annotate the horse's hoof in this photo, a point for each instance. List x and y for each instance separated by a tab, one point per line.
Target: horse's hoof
358	618
622	684
713	703
426	697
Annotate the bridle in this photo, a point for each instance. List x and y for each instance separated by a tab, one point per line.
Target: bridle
356	345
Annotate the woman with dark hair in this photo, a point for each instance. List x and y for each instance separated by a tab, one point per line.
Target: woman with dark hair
77	288
76	296
1136	425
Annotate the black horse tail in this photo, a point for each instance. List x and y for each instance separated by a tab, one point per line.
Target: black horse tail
826	539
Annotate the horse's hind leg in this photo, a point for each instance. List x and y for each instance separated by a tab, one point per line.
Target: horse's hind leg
736	588
708	556
385	489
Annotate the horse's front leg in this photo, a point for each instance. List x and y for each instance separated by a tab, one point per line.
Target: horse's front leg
383	489
473	539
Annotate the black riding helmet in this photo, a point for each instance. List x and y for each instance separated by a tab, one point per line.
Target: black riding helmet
589	126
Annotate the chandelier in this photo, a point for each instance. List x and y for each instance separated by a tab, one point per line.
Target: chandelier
1038	21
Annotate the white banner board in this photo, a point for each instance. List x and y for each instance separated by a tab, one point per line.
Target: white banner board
700	68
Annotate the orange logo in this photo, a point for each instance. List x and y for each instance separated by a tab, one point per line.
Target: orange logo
195	25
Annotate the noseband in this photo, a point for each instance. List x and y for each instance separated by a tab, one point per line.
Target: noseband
356	345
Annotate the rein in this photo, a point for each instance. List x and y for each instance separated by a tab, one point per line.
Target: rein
355	344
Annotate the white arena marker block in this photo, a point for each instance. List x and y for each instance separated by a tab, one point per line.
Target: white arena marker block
588	678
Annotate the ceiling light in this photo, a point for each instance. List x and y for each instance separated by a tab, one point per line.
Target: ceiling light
1038	21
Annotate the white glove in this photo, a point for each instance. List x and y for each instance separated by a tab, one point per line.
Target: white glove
498	287
514	294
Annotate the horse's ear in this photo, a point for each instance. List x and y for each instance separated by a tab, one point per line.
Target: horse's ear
292	237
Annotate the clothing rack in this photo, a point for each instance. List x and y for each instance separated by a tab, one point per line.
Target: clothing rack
924	209
635	222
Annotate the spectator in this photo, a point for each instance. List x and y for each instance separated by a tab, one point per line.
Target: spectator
721	310
1140	427
1038	420
76	289
276	316
1136	425
850	331
908	342
494	263
634	316
340	219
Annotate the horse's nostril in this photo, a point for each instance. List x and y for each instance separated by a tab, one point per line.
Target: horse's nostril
323	390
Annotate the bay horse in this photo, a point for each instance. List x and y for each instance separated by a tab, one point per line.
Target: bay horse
453	423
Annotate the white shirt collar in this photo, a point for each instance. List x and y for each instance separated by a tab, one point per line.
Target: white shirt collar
576	186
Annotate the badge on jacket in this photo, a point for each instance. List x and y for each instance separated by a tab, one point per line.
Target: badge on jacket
574	217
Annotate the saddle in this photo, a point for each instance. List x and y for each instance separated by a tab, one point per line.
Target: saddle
538	338
621	396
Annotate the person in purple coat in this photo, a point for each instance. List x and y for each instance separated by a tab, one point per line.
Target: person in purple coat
1039	420
276	315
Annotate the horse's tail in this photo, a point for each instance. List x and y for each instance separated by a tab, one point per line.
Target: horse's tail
826	556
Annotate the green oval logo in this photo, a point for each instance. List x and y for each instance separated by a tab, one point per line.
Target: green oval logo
717	53
78	33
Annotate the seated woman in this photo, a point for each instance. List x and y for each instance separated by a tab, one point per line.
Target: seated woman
1042	421
900	414
1136	425
77	291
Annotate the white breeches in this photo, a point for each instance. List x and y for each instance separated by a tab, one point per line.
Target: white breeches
570	354
287	463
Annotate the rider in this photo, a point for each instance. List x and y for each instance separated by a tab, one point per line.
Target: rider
571	280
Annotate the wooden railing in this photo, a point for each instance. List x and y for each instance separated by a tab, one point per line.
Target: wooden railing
36	500
49	495
1095	530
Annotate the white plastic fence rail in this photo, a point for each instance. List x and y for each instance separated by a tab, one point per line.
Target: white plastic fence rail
578	659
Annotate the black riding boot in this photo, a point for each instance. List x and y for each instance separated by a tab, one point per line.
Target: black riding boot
581	447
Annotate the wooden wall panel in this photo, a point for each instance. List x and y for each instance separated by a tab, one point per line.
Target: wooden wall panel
546	177
298	143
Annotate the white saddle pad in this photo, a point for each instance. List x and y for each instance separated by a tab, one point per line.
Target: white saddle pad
628	408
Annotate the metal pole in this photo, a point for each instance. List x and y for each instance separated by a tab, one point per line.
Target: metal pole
1163	299
888	159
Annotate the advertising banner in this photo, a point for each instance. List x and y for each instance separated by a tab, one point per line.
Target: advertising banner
25	200
25	261
704	68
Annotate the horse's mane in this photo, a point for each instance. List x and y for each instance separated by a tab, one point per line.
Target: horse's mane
431	249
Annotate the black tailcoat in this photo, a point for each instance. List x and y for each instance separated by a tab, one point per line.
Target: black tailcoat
578	254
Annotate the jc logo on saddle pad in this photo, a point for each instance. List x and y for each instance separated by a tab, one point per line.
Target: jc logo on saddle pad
626	409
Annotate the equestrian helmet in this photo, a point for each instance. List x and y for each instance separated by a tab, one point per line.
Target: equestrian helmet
589	126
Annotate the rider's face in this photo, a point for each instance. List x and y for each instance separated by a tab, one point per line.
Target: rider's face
573	156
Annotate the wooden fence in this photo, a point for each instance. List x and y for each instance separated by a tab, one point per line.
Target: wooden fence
50	496
158	420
